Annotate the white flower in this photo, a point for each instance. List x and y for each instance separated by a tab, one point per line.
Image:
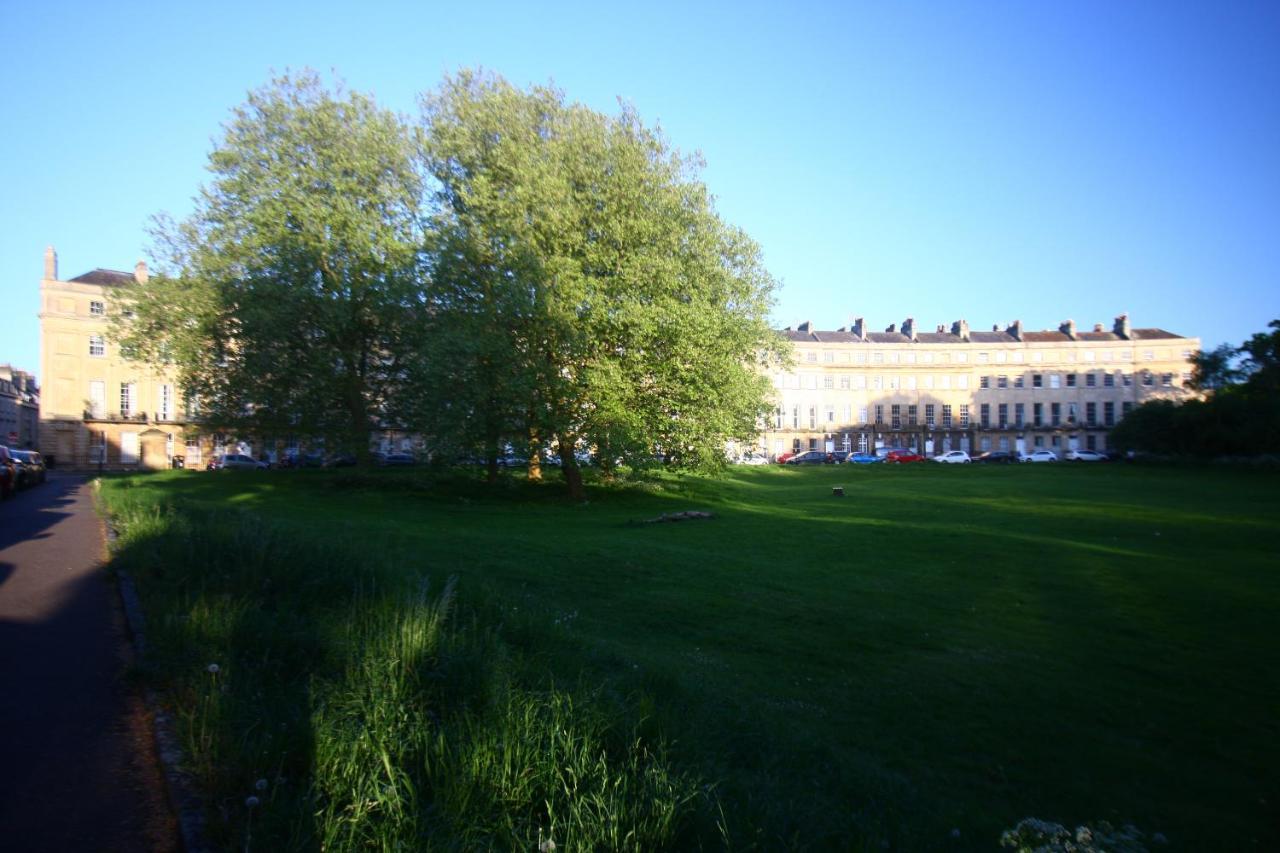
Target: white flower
212	668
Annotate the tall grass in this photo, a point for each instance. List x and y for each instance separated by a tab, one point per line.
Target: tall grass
335	698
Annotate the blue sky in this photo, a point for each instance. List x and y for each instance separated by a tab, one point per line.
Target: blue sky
987	161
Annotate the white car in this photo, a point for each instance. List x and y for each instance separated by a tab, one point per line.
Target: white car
954	457
753	459
1085	456
1041	456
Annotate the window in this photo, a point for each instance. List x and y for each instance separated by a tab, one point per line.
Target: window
828	382
811	357
1090	380
964	416
962	381
983	358
813	444
1001	357
1108	380
962	357
166	402
877	358
1055	381
844	382
96	308
1073	413
828	357
1186	377
1002	412
1055	414
1091	442
984	415
1039	441
97	446
984	443
1019	381
879	413
1125	409
831	414
1091	414
813	417
1037	414
795	417
928	415
911	415
1149	355
1109	414
128	397
946	416
895	412
97	346
779	415
1166	379
1002	381
1127	379
1037	380
97	398
1071	380
862	414
1019	415
984	382
1148	379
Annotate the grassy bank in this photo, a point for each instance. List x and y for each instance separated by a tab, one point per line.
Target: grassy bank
943	649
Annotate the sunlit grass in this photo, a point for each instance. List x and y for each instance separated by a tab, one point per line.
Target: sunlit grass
943	648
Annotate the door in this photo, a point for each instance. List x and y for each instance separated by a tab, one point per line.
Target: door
128	448
154	450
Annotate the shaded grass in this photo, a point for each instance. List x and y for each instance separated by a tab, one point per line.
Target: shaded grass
943	648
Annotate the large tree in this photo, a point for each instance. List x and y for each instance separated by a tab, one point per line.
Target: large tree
618	311
291	299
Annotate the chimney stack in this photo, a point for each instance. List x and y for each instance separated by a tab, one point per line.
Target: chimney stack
1097	327
140	272
1015	330
892	327
960	328
803	327
859	328
909	328
50	264
1068	328
1121	326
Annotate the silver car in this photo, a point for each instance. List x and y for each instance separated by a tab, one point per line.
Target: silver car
240	462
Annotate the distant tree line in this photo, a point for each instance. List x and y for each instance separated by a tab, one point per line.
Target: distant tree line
509	269
1239	415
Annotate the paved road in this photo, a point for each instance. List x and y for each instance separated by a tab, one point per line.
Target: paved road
77	763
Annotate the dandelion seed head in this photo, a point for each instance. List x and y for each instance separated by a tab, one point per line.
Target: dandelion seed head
212	668
261	784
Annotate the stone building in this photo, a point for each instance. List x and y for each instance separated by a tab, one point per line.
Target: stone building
19	408
957	389
99	409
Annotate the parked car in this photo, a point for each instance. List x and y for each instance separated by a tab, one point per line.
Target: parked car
783	458
237	462
1041	456
30	467
903	456
861	457
8	473
996	457
752	459
394	459
1085	456
809	457
953	457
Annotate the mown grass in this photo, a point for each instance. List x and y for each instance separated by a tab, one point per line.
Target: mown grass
943	649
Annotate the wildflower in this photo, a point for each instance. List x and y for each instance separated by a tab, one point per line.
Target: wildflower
261	784
212	669
251	801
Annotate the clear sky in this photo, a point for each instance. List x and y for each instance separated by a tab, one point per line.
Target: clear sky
987	161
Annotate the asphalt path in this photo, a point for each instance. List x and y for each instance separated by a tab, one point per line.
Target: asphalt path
77	761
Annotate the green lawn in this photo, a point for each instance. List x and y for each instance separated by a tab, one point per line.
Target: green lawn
944	648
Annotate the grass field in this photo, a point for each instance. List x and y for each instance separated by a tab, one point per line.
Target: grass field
944	648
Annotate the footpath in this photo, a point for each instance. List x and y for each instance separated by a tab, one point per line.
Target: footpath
78	769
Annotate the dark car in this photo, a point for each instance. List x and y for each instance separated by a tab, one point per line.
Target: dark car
809	457
30	467
903	456
8	473
996	457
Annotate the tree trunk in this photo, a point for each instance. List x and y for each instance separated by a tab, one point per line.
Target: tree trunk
569	466
535	458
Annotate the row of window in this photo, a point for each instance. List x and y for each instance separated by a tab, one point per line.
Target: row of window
981	357
945	382
862	441
128	399
1057	414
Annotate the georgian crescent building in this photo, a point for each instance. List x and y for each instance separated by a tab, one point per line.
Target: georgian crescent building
957	389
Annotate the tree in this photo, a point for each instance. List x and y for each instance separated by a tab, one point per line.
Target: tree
622	313
1215	369
291	299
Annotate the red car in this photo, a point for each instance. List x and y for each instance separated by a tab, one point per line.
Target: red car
903	456
783	457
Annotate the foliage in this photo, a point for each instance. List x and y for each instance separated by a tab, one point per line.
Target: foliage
290	299
1038	836
847	673
1240	417
585	291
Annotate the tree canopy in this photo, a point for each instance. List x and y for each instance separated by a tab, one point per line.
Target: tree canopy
516	269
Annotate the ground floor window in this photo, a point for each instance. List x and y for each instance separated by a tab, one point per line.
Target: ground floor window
813	444
1039	442
862	442
1091	442
1057	441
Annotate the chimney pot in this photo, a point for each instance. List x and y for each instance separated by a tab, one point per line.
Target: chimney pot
859	328
1015	330
140	272
1068	328
1121	327
50	264
1097	327
803	327
893	327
